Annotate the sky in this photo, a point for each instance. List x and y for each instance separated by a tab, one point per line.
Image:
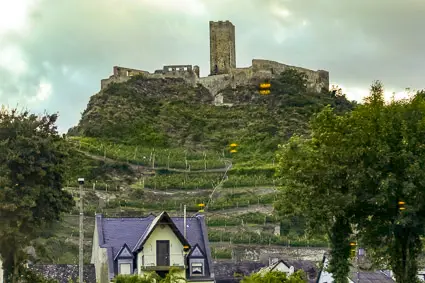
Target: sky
53	53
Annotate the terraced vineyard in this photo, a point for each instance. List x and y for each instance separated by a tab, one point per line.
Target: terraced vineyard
239	199
150	145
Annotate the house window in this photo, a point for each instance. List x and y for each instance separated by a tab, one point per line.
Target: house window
197	268
125	268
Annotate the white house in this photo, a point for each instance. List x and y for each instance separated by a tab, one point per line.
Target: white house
152	244
290	266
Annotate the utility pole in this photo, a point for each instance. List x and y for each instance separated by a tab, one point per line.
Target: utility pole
184	221
81	258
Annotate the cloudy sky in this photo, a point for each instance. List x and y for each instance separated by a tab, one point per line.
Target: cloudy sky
53	53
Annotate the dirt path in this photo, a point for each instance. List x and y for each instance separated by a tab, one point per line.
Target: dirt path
267	209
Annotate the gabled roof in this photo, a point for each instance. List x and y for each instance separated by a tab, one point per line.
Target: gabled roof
309	268
124	252
273	266
163	218
112	233
370	276
196	252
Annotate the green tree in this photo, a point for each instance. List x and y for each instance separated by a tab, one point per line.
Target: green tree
275	277
32	158
389	156
355	169
290	82
152	277
313	172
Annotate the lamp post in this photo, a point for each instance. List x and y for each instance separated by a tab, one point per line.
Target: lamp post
81	243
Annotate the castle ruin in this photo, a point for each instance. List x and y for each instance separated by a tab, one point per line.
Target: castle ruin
222	47
223	70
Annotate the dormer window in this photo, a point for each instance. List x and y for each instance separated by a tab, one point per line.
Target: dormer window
197	269
124	260
125	268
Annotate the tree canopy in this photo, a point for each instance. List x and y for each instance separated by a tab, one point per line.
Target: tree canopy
275	277
32	155
174	276
351	176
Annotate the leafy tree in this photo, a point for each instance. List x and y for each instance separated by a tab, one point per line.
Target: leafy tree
313	187
355	169
275	277
152	277
290	82
389	154
32	158
29	276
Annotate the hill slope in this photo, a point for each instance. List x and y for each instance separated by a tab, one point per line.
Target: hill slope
169	113
149	145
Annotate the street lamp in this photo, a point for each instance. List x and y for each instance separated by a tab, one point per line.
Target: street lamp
81	243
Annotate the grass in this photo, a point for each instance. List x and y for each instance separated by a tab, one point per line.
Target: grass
171	158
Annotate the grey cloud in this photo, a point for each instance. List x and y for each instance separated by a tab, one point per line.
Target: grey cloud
357	41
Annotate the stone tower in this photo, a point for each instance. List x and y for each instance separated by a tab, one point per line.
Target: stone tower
222	47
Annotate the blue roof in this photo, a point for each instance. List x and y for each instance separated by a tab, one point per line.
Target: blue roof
113	233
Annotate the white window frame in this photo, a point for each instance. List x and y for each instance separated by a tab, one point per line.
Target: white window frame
197	264
129	268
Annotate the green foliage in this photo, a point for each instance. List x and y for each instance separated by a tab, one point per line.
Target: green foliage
170	158
246	218
100	172
221	253
29	276
169	113
362	164
32	158
290	82
173	276
184	181
247	237
276	277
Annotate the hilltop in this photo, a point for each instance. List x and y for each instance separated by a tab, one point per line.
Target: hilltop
170	113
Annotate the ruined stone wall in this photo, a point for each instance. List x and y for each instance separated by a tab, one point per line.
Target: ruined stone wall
316	80
113	79
185	72
216	83
222	47
127	72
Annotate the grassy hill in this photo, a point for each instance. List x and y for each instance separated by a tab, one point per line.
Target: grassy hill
149	145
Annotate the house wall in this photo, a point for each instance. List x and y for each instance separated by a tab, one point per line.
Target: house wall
147	256
282	268
99	258
1	271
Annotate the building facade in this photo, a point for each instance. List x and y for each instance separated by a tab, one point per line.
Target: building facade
152	244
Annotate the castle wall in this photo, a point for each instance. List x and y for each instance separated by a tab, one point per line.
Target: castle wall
216	83
175	68
222	47
316	80
127	72
122	74
113	79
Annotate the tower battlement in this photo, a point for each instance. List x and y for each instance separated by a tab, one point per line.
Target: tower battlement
222	47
